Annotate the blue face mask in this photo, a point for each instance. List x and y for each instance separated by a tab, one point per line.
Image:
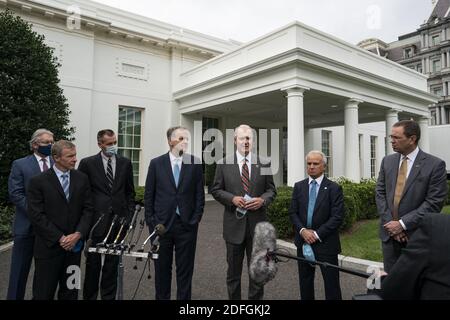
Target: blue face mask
111	150
45	150
308	252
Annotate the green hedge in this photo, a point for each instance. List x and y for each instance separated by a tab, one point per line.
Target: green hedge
139	195
277	212
359	203
6	219
448	196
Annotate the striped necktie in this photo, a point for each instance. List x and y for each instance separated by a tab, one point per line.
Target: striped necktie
109	175
245	177
65	185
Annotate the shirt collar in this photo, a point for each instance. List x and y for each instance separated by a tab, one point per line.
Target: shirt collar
240	157
173	158
38	158
59	173
318	180
412	156
107	158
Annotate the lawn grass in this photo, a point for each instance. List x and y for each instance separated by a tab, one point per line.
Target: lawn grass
363	242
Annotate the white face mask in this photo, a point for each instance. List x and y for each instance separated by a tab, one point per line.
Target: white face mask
110	150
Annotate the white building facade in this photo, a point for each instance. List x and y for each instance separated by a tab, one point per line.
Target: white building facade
139	76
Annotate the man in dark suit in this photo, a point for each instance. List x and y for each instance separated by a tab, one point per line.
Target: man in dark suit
175	197
421	271
317	211
21	172
60	210
411	183
112	187
238	178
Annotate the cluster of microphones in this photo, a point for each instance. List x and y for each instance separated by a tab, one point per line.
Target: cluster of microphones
123	241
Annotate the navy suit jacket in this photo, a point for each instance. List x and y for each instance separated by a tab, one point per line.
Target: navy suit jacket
22	171
162	196
327	217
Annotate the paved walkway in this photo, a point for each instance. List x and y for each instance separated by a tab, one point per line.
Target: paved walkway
209	281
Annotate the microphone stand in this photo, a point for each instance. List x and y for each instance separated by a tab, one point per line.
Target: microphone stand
89	241
274	255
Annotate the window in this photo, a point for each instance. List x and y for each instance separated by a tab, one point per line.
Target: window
437	91
326	149
129	144
208	169
408	53
419	68
361	152
436	64
373	156
433	120
435	40
447	115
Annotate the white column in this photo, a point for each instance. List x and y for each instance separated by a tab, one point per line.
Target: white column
391	119
448	59
424	142
295	136
351	140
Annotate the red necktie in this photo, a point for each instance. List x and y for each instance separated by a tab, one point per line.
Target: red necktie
245	177
44	164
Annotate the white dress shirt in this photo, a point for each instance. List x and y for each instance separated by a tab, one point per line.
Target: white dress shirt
175	161
319	182
59	174
41	163
240	160
105	163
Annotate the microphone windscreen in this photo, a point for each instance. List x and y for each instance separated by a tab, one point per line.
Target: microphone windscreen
138	207
262	269
160	229
264	238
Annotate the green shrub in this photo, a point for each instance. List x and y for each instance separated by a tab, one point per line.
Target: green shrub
278	213
6	219
139	197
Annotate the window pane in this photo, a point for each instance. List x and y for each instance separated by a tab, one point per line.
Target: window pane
128	141
130	115
137	142
137	116
135	166
120	142
129	128
121	127
137	128
135	155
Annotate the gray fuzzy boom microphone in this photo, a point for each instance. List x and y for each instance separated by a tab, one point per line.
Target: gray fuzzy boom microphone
262	267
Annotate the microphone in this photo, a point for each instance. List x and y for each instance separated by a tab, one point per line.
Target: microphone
159	230
263	267
132	227
102	244
122	224
89	241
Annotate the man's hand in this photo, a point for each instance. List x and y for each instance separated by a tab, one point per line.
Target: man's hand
239	202
70	241
401	237
254	204
309	236
393	228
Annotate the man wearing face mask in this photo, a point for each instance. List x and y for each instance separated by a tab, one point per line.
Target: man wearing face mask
174	197
111	179
21	172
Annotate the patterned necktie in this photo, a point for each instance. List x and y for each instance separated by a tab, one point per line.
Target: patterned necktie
176	176
44	164
311	203
400	186
65	184
109	174
245	177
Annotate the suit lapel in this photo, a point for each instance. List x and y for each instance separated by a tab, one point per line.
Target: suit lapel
168	168
392	176
55	181
72	185
184	167
119	166
416	166
34	164
321	194
101	169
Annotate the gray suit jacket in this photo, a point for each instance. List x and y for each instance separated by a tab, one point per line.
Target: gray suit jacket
227	184
425	190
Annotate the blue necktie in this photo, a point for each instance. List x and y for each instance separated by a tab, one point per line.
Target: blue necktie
311	203
65	184
176	176
308	252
